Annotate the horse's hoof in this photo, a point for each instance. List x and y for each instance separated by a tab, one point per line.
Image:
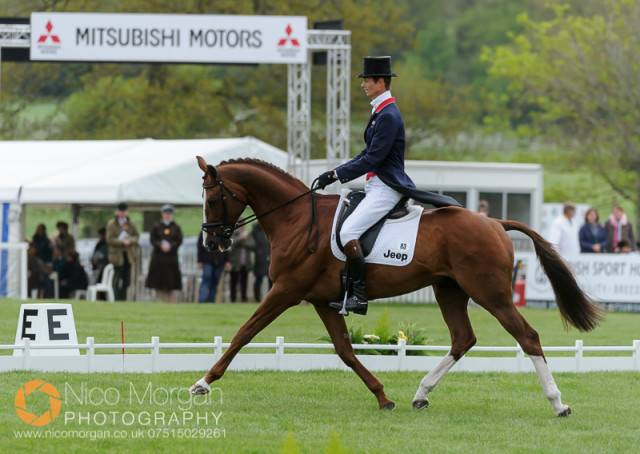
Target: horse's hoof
420	404
198	390
388	406
565	413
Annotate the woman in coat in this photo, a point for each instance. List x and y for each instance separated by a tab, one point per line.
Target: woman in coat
164	270
592	236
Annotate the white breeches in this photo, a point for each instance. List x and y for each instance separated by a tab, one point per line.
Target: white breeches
379	201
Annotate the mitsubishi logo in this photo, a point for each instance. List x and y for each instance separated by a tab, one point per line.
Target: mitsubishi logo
294	41
54	38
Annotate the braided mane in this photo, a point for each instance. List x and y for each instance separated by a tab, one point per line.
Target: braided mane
263	164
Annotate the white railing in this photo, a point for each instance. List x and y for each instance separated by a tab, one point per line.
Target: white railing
16	283
279	360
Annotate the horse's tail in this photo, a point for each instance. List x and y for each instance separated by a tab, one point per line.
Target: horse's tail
575	307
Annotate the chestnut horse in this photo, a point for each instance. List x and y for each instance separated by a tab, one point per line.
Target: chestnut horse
460	253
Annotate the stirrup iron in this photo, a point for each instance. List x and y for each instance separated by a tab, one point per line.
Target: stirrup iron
344	311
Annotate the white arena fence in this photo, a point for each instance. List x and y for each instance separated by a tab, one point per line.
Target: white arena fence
26	358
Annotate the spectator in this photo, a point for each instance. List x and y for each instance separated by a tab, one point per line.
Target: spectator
212	264
57	260
41	241
64	240
241	263
623	247
73	275
262	259
164	270
564	232
122	240
54	271
37	271
618	229
593	237
100	256
483	207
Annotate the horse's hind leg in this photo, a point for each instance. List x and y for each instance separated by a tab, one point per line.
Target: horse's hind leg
453	305
337	328
527	337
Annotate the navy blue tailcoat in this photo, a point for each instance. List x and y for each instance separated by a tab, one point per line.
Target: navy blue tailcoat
384	156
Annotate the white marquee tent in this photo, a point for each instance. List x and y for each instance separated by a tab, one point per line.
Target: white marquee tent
140	172
143	173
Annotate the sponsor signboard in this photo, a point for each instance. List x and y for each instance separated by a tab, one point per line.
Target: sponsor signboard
607	278
169	38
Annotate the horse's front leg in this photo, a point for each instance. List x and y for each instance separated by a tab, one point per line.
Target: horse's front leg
275	303
337	328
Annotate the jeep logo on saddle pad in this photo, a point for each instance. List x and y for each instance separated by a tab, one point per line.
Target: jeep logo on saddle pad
396	255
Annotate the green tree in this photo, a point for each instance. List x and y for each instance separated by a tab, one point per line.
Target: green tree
433	107
119	101
574	79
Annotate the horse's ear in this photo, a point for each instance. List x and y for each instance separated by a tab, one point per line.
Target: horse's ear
202	163
207	168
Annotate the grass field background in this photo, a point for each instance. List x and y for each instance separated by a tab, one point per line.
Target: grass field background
190	322
329	411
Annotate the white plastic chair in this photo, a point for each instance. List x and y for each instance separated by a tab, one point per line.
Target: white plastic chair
106	285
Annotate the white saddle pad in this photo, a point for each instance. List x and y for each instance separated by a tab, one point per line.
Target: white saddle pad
397	240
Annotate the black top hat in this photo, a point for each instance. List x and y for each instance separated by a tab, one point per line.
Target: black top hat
377	67
122	206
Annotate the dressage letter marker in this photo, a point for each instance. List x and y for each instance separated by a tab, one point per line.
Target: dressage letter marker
47	324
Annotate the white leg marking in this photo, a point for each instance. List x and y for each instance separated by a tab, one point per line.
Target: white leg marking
548	384
430	380
202	382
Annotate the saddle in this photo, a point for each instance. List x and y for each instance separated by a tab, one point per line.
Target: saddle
368	238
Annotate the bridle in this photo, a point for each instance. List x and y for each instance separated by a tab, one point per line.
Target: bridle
227	227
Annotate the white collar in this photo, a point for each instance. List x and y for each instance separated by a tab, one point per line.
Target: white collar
380	99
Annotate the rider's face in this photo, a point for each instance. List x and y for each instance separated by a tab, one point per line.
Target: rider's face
373	89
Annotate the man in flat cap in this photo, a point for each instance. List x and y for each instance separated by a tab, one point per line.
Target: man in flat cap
122	239
164	270
382	161
64	240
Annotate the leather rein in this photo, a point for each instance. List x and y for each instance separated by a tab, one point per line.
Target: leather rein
228	227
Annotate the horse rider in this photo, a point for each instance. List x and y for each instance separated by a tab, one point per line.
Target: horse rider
382	161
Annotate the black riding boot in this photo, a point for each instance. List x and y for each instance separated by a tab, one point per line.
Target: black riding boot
357	302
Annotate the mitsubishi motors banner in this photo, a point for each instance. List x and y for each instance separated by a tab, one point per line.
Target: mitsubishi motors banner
607	278
168	38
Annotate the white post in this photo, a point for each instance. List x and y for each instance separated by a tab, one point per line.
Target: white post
636	354
402	353
26	353
520	358
279	352
155	353
218	347
90	353
579	354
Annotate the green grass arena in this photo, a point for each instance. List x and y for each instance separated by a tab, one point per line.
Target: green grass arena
317	411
